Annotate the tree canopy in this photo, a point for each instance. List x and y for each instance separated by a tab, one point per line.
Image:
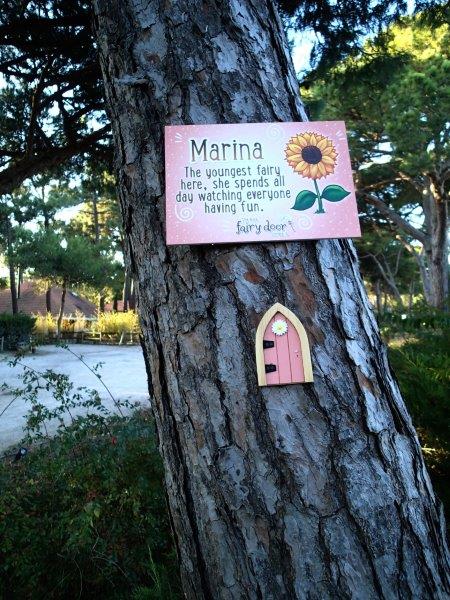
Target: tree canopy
51	103
395	100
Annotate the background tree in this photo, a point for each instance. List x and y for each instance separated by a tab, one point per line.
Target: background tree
388	268
16	210
99	220
283	492
395	101
66	261
340	28
51	105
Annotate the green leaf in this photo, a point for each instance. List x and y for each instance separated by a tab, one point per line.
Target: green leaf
334	193
304	200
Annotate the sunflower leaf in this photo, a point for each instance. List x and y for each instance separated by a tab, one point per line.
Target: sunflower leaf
334	193
304	200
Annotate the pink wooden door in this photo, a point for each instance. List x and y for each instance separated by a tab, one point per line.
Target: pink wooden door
282	352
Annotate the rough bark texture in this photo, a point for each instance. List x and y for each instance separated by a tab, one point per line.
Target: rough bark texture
304	491
435	205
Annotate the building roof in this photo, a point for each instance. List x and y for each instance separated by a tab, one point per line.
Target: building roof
32	302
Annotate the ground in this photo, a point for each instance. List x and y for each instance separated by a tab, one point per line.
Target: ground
123	372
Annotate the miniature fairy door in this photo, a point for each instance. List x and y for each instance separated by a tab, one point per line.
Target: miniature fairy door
282	349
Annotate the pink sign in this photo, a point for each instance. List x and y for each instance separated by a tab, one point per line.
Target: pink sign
258	182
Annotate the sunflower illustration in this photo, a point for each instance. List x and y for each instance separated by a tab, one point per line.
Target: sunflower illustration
313	155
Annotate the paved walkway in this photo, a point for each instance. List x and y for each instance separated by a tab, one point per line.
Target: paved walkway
123	372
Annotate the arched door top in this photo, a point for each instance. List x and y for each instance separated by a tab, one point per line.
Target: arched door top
282	358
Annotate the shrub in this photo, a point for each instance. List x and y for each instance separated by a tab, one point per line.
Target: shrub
45	325
84	515
15	329
419	352
118	322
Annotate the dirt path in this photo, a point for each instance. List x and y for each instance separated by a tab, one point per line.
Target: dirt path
123	372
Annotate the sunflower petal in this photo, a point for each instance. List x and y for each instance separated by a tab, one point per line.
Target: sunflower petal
313	170
322	168
301	167
302	141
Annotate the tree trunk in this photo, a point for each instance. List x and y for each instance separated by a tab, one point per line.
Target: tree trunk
48	299
95	219
61	308
19	281
132	302
101	303
379	297
386	273
302	491
435	205
12	273
126	290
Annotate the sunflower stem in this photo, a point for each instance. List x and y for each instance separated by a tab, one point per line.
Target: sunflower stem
319	198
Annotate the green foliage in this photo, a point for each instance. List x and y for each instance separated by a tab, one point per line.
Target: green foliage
15	329
51	87
85	516
67	259
395	100
419	352
83	513
341	27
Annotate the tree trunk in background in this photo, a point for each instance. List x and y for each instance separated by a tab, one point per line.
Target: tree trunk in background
95	219
379	297
132	303
19	281
435	207
302	491
61	308
13	289
126	290
101	303
12	273
48	299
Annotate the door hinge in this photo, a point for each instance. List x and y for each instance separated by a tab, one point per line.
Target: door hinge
268	344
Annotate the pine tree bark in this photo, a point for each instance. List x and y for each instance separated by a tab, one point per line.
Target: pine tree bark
435	205
304	491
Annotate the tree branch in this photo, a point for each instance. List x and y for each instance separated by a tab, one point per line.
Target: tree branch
395	218
14	175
